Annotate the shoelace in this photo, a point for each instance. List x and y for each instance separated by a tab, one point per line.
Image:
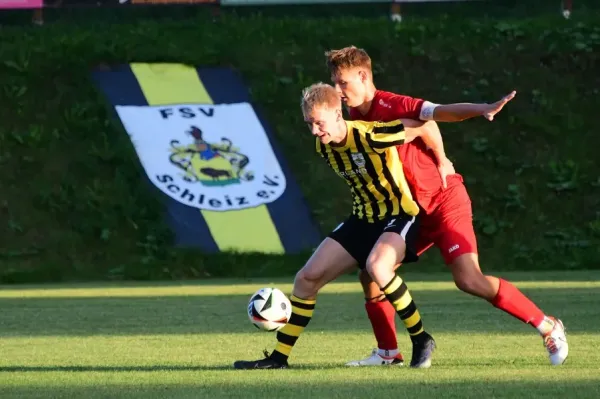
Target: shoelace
550	344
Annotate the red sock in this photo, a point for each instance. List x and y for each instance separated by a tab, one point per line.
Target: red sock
516	304
383	319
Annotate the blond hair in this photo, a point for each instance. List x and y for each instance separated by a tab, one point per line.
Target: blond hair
347	57
318	95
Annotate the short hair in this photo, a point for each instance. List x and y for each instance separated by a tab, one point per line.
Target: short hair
318	95
347	57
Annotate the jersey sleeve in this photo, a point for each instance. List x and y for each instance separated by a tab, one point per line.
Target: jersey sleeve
406	107
383	135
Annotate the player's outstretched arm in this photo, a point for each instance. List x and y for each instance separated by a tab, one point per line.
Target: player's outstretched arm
462	111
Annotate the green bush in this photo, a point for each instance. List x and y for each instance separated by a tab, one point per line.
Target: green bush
75	204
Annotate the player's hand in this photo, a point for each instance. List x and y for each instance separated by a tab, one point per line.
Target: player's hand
493	109
446	168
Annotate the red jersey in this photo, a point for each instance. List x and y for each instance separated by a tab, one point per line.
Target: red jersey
420	165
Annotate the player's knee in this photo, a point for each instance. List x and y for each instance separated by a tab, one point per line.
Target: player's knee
466	284
309	281
375	264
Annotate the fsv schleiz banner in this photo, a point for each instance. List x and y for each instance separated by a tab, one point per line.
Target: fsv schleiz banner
225	185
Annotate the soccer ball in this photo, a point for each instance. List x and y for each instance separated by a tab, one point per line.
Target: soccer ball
269	309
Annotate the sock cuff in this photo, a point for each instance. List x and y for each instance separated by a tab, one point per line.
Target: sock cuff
379	298
393	285
294	298
501	294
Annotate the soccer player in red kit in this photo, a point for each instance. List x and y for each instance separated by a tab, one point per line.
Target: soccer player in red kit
447	220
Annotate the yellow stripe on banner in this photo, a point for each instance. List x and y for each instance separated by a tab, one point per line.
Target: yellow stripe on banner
249	229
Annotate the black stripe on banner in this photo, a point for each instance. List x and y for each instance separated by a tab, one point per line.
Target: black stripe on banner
224	85
121	87
290	212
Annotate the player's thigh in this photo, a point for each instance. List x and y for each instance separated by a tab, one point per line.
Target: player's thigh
397	243
456	237
423	242
357	237
329	261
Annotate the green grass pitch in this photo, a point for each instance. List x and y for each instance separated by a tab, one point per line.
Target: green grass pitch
179	339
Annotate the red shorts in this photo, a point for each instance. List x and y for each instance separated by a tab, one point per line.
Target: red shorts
450	225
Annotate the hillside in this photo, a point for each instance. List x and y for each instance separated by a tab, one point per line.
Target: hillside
74	203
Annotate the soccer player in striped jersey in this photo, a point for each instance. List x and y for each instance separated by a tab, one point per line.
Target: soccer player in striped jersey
378	234
446	214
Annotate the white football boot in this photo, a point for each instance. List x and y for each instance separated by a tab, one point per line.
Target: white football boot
377	360
556	343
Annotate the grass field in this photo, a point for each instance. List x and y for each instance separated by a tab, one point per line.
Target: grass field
178	340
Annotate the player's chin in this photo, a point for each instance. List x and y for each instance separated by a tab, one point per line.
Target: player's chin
325	139
350	103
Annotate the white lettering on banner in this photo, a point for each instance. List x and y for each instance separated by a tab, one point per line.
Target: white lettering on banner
212	157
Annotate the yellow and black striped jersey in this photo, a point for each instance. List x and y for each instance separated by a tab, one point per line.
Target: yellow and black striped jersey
370	164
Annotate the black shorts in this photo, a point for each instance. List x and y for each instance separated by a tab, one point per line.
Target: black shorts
358	237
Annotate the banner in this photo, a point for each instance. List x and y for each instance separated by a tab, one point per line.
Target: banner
225	185
18	4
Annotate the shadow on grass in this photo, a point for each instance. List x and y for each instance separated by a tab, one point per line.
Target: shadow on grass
275	387
111	369
442	311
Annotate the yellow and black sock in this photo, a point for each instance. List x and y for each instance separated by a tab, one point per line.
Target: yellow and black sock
302	311
397	293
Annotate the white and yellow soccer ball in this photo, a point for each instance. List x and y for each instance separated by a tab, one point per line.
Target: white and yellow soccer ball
269	309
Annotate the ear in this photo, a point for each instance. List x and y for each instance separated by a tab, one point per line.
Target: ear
363	75
339	115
